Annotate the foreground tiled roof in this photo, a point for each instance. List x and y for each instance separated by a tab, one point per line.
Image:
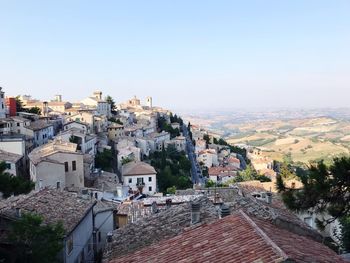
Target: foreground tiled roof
275	212
52	204
296	247
236	238
156	227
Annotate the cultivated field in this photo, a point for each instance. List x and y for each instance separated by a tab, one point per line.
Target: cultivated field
303	139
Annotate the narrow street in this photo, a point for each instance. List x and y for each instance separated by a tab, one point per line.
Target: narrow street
196	172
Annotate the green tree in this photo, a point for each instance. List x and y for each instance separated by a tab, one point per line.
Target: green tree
326	189
248	174
210	183
111	102
206	138
287	158
10	184
286	172
19	104
164	126
126	160
173	168
104	160
165	178
171	190
113	119
345	233
189	126
35	241
35	110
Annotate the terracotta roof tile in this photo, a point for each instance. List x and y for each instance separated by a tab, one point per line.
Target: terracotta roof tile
236	238
52	204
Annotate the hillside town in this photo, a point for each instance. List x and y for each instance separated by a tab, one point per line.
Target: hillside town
131	182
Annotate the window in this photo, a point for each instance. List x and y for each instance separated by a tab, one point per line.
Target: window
130	180
149	179
74	165
99	236
69	244
139	180
58	185
17	124
8	166
150	188
66	166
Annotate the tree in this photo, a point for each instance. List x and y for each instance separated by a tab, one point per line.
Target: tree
326	190
164	126
104	160
345	233
35	110
19	104
206	138
35	241
248	174
126	160
173	168
171	190
287	158
111	102
112	119
10	184
210	183
285	172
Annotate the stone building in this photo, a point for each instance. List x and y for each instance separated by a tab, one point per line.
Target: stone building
57	164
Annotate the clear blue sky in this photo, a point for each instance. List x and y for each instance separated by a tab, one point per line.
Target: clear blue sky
186	54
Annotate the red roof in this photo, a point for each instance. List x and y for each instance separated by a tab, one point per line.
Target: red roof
219	169
233	160
235	238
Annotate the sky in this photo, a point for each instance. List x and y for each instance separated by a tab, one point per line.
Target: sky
185	54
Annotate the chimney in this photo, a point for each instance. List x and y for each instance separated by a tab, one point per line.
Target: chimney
18	212
195	213
269	198
109	237
154	207
168	202
45	108
224	211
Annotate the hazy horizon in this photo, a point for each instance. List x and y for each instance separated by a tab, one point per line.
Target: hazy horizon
185	54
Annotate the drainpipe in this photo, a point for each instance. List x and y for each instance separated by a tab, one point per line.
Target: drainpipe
64	249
